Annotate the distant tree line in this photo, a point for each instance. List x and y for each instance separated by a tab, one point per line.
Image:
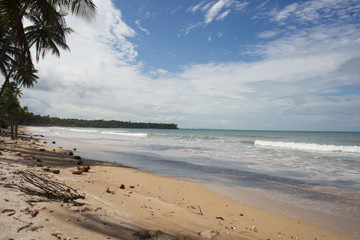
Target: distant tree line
36	120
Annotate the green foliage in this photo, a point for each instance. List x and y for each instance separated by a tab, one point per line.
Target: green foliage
9	102
37	120
46	32
10	109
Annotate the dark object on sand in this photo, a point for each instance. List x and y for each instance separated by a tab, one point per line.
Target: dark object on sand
70	153
109	191
85	168
78	172
122	186
76	157
80	162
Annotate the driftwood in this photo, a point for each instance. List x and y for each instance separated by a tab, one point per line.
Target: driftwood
40	186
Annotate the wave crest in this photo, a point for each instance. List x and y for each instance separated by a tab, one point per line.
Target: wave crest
308	146
127	134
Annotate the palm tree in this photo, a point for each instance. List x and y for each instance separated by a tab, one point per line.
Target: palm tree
15	65
46	32
47	37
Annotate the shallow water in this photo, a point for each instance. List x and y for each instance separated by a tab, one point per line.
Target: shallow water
315	172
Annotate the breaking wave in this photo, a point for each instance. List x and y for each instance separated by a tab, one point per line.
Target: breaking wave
126	134
308	146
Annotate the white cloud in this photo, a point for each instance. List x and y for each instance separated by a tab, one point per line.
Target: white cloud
137	22
223	15
316	11
187	29
213	11
196	7
239	6
283	14
290	87
262	5
268	34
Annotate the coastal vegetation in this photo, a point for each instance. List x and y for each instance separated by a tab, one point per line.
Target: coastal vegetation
37	120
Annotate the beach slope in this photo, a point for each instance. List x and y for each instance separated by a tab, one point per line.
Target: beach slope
123	203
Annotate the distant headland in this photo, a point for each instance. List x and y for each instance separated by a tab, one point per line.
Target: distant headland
37	120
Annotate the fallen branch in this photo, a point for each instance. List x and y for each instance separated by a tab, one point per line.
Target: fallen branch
40	186
201	213
12	211
26	226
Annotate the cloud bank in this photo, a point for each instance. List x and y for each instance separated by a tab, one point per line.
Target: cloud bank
297	81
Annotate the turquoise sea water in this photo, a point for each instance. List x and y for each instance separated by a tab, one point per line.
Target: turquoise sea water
311	169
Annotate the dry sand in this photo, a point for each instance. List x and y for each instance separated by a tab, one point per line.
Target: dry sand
149	207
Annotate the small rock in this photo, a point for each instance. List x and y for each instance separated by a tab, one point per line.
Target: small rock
80	162
18	153
77	157
122	186
53	142
56	171
42	149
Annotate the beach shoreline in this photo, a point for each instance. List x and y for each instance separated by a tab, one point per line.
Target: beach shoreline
127	203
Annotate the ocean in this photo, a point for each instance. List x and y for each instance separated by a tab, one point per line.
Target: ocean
312	176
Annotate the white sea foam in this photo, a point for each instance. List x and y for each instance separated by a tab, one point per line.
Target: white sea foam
308	146
127	134
83	130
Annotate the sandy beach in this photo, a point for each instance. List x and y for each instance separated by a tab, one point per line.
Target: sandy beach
124	203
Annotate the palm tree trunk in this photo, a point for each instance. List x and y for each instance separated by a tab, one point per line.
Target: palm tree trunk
6	82
16	130
12	129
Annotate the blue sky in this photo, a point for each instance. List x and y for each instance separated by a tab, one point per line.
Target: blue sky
226	64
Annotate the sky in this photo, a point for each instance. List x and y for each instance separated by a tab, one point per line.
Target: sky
221	64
